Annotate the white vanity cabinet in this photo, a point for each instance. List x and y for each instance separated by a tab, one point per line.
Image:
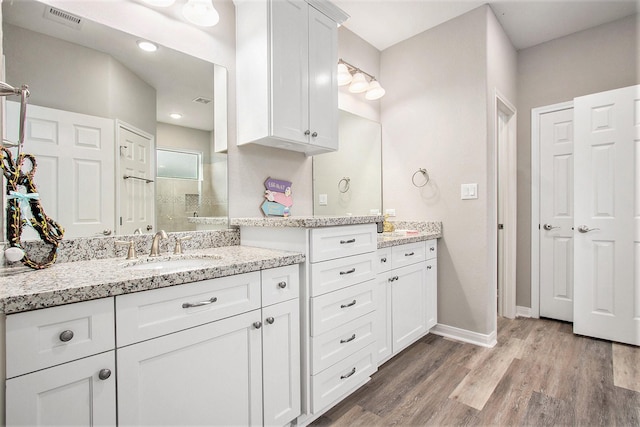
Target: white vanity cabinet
406	291
60	365
211	352
338	307
286	57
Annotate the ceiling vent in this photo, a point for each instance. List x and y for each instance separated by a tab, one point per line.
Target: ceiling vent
202	100
62	17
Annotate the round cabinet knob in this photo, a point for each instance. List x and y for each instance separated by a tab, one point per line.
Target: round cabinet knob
282	285
432	249
106	232
66	336
257	325
428	267
314	134
104	374
270	320
307	132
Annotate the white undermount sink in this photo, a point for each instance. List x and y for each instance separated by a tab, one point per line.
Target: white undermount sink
160	265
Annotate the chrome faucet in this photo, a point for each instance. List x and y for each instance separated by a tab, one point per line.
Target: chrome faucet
155	244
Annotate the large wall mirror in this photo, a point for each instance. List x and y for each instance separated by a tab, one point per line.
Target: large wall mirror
111	160
349	181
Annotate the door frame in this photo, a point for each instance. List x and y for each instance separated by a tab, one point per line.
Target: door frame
120	124
507	295
536	114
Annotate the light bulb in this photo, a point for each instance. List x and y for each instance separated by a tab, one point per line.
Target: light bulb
375	91
201	13
344	76
359	83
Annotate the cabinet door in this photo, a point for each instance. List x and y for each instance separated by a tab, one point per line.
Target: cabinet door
432	293
69	394
290	70
408	301
323	81
281	362
382	325
207	375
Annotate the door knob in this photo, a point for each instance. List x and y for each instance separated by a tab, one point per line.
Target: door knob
549	227
586	229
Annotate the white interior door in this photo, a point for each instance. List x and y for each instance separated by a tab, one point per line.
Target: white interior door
556	214
75	167
136	181
607	215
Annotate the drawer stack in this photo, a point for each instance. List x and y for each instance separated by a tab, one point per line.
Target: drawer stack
342	310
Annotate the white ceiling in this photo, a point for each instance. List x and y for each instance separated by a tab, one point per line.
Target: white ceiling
384	23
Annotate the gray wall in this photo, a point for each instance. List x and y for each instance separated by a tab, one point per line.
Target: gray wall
436	115
77	79
594	60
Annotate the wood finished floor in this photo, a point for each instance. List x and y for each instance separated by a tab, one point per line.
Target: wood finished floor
539	374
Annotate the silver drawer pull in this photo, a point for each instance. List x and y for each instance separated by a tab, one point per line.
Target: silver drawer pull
344	242
410	254
351	338
353	270
104	374
392	279
200	303
66	336
282	285
351	304
353	371
270	320
383	259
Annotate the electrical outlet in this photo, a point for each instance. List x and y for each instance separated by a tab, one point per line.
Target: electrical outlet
390	212
322	199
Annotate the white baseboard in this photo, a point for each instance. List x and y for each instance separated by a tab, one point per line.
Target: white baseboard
483	340
523	311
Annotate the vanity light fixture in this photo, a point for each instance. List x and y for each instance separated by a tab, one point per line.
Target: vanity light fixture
201	13
175	116
359	81
147	46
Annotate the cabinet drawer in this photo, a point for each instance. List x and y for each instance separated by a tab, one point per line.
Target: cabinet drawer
341	378
338	343
432	249
408	254
337	242
149	314
384	260
337	308
336	274
42	338
280	284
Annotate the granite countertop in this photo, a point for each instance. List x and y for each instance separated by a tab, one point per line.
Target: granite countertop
305	221
23	289
216	220
386	240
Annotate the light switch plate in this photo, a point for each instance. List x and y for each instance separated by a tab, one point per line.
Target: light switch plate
468	191
322	199
390	212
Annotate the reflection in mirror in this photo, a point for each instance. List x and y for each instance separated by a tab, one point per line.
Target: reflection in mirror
99	109
349	181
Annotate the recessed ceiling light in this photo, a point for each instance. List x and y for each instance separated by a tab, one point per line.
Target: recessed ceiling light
175	116
147	46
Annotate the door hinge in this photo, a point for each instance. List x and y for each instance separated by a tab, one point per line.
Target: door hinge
120	220
500	226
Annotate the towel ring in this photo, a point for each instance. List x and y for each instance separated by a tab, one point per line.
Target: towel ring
344	184
424	173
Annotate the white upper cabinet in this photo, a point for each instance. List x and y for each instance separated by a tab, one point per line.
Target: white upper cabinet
287	93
